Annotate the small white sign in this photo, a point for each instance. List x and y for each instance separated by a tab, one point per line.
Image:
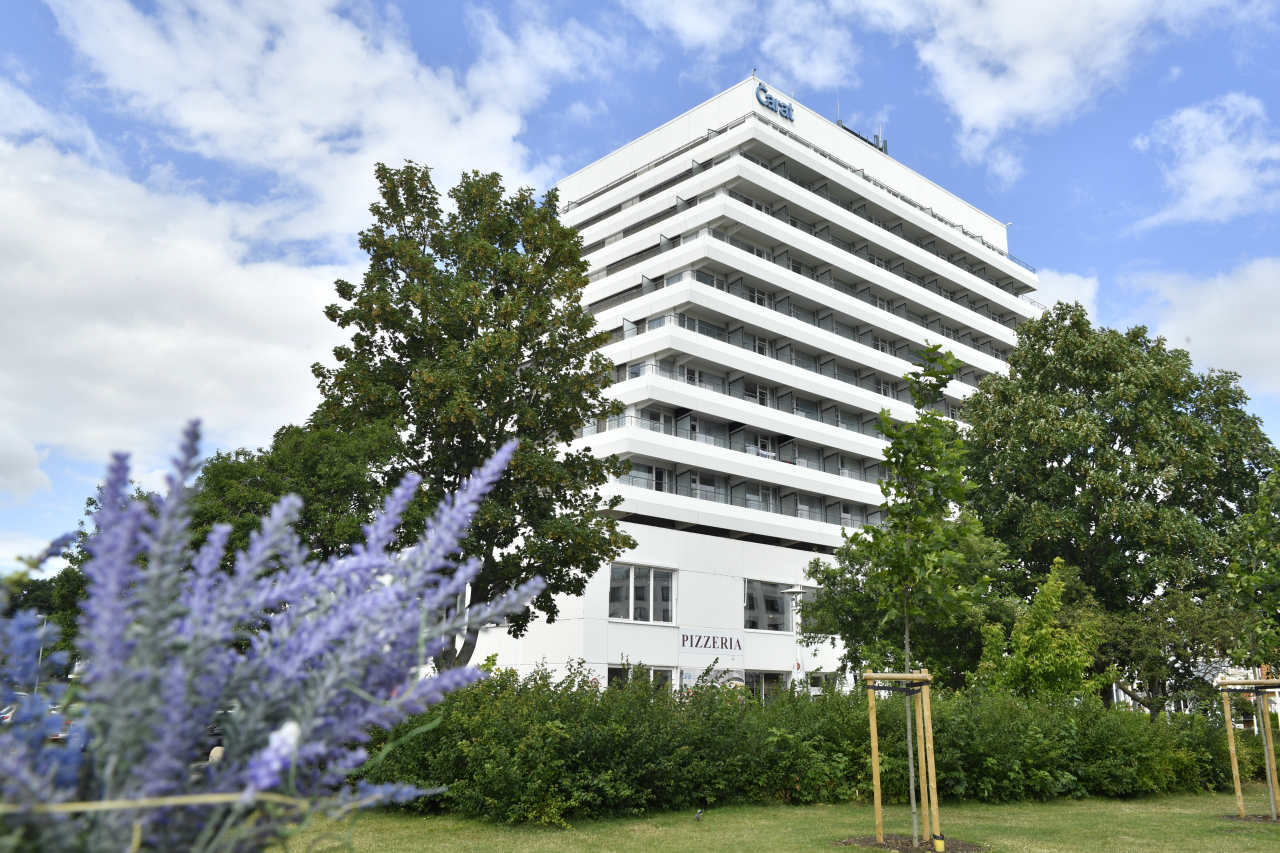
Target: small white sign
711	641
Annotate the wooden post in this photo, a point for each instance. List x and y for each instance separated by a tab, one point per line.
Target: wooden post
1270	756
924	787
1231	747
938	844
875	759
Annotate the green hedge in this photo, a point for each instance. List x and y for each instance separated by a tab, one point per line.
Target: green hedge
547	751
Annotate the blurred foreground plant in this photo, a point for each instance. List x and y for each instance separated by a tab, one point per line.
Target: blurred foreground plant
294	659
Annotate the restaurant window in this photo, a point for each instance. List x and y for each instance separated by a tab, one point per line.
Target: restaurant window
765	607
766	685
641	594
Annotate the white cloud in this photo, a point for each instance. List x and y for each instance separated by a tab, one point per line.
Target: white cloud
1068	287
1221	160
14	545
800	42
1227	321
315	97
715	27
804	45
134	304
1005	67
130	310
20	474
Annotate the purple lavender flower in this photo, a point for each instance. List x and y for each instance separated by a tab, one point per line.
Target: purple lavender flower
290	659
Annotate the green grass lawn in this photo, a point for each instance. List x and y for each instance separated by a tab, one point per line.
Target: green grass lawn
1154	825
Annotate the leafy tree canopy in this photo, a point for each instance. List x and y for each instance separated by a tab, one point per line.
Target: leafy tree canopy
1255	579
847	606
468	330
339	474
1046	655
1106	449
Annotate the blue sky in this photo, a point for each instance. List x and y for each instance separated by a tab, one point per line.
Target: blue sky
182	180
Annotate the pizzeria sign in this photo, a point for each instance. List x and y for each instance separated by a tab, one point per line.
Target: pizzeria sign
710	641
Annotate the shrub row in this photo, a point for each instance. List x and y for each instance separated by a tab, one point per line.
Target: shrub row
547	751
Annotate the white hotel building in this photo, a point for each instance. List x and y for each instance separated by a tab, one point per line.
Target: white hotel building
767	275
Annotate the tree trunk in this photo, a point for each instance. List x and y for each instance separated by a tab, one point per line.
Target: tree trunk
478	592
1152	706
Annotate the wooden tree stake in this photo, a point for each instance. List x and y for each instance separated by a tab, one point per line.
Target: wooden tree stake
1231	747
924	787
938	844
875	763
1270	757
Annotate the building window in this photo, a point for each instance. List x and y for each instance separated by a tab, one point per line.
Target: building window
766	685
640	594
617	676
765	607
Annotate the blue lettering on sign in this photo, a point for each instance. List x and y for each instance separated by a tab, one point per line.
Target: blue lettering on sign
787	111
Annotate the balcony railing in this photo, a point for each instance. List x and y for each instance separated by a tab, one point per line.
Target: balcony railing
861	252
633	422
761	397
710	330
783	258
826	368
645	481
827	324
895	230
699	167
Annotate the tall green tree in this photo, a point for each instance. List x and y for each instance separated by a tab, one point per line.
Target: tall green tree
1106	449
913	564
468	331
915	567
1050	650
848	606
1255	580
341	475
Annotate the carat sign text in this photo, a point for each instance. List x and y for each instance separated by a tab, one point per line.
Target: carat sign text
787	111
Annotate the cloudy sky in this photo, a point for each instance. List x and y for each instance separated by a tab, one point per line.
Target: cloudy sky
182	180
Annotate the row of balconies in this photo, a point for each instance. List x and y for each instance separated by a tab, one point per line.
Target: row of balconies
697	167
760	497
781	255
822	364
776	398
860	210
785	305
743	439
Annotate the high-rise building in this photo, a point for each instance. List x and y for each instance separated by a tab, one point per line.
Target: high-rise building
767	276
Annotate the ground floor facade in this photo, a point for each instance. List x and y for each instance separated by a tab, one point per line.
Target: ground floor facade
681	603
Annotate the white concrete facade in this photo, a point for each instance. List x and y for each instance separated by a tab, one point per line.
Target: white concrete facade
767	276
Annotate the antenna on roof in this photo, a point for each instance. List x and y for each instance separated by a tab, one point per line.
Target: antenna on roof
753	73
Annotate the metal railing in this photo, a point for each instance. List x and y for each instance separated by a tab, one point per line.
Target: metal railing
768	400
890	190
783	259
761	504
790	135
895	230
633	422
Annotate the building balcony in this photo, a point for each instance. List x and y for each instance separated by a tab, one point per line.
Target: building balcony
952	229
836	513
784	259
831	462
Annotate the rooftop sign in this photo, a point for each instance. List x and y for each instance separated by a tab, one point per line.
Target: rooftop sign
787	111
